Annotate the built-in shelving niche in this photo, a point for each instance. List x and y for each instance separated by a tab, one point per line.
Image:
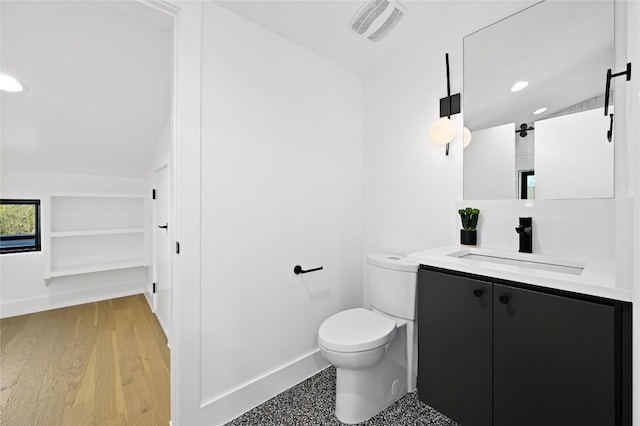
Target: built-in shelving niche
94	232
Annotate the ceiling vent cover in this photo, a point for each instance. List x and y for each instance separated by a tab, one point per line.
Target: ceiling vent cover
376	18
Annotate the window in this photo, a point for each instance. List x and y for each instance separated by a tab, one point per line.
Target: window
527	185
19	226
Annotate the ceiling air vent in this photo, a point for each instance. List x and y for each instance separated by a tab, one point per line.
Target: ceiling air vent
376	18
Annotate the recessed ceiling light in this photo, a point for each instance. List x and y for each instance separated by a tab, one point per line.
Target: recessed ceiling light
540	110
10	84
519	86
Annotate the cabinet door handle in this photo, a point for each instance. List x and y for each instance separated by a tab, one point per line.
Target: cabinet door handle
503	299
478	292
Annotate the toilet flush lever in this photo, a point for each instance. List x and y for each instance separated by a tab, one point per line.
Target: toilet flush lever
298	270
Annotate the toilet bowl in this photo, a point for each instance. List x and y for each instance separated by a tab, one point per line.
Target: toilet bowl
373	349
356	338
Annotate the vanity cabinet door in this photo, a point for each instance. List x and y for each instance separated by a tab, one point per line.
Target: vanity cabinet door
554	360
455	346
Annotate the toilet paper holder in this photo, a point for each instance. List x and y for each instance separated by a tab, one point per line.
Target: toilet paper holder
298	270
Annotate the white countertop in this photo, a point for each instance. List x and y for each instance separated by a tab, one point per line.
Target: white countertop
597	278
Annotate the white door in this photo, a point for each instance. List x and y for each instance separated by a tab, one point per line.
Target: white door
161	247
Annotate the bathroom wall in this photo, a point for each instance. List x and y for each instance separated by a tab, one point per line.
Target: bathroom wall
582	230
410	185
282	167
22	284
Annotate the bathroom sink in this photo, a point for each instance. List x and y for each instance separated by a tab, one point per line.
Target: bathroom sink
521	260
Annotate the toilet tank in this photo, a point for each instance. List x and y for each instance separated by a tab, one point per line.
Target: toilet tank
392	284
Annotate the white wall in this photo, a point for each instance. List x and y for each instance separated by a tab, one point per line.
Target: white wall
583	230
410	185
22	284
281	159
490	164
161	150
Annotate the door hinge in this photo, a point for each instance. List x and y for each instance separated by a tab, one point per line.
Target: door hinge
177	247
154	288
153	194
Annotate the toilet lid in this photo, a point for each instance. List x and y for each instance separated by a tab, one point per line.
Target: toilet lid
355	330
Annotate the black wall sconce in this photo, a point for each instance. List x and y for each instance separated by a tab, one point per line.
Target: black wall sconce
443	130
451	104
607	91
524	129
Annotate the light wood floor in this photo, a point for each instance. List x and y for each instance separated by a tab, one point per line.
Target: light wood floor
104	363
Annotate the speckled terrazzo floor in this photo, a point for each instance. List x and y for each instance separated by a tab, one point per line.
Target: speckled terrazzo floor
312	403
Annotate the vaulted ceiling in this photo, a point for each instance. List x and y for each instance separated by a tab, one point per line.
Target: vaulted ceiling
98	85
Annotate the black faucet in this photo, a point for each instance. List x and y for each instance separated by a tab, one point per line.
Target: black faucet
526	237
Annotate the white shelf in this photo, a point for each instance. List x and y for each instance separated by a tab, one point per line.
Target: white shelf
93	232
86	233
98	267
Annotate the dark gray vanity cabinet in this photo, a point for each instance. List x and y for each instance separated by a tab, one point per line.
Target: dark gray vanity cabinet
455	351
553	361
492	352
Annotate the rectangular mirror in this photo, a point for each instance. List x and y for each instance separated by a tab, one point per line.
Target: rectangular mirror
547	140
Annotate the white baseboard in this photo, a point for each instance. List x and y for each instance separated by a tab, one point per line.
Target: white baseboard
234	403
45	303
151	298
163	327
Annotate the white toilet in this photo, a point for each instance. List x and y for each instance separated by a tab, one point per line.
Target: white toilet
374	351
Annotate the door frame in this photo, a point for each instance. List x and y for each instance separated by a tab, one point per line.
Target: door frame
184	214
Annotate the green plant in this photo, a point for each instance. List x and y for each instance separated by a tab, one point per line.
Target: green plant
469	218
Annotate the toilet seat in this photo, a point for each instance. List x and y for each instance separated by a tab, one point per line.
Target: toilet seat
356	330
